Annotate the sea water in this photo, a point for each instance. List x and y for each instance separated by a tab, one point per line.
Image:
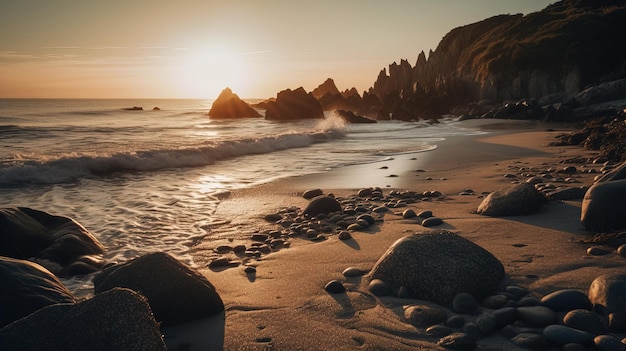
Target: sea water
150	180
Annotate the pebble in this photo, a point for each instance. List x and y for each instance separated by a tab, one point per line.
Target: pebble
432	222
516	291
456	321
408	214
458	341
423	316
404	293
220	262
344	235
273	217
561	335
530	341
505	316
250	270
565	300
608	343
439	330
352	272
464	303
494	301
597	251
334	287
621	250
584	320
379	288
537	316
259	237
425	214
309	194
487	323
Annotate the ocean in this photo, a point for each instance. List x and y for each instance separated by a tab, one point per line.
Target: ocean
150	180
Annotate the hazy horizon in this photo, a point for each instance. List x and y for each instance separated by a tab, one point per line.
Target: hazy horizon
194	49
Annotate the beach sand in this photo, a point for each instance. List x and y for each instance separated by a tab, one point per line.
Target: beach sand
284	306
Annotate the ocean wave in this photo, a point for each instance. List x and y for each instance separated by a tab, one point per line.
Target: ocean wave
72	167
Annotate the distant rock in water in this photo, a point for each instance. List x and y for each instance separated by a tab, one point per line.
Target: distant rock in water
117	320
27	287
294	105
58	243
134	108
436	266
229	105
352	117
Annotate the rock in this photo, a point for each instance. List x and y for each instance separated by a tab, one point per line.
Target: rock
565	300
425	214
367	218
438	330
487	323
352	117
27	287
604	205
229	105
365	192
537	316
612	90
436	266
423	316
119	319
408	214
561	335
458	341
352	272
176	293
568	193
273	217
322	204
309	194
464	303
334	287
456	321
530	341
494	301
608	343
379	287
505	316
432	222
26	233
521	199
345	235
607	293
585	320
294	105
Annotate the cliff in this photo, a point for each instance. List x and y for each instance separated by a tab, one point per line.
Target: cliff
558	51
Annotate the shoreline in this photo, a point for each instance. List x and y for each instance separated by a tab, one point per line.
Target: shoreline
283	305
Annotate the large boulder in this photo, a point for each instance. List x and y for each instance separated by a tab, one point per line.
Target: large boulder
520	199
58	243
438	265
26	287
322	204
604	205
294	105
613	90
119	319
229	105
176	293
607	293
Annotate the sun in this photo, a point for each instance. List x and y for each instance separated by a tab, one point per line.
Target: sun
205	73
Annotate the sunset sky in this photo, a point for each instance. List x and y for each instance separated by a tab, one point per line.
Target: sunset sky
195	48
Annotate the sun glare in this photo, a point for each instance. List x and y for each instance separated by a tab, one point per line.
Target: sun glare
206	73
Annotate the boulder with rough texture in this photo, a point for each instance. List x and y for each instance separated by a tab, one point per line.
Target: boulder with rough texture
521	199
59	243
294	105
176	293
604	205
607	293
229	105
438	265
26	287
119	319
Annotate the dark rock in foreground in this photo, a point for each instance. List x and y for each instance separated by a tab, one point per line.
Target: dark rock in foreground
176	293
293	105
521	199
604	205
26	233
119	319
229	105
26	287
436	266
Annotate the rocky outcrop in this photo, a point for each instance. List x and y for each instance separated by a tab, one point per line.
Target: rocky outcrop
229	105
326	88
176	293
294	105
558	51
26	287
352	117
438	265
116	320
58	243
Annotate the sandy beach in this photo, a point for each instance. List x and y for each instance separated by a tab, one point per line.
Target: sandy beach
283	306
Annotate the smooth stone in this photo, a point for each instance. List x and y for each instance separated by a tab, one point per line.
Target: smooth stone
521	199
432	222
464	303
566	300
608	343
352	272
585	320
355	227
528	301
408	214
487	323
530	341
505	316
458	341
334	287
439	330
472	329
597	251
617	322
537	316
367	218
379	288
574	347
273	217
516	291
309	194
621	250
455	321
602	208
561	335
494	301
423	316
365	192
425	214
345	235
322	204
607	293
404	293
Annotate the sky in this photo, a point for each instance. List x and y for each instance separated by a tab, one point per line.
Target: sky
196	48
